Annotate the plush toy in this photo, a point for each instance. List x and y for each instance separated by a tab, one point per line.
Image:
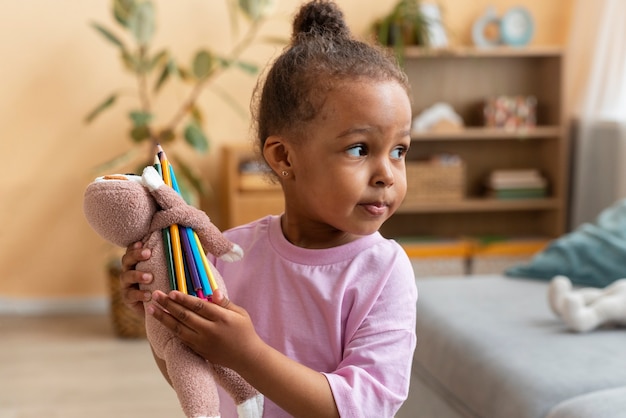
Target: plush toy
587	308
126	208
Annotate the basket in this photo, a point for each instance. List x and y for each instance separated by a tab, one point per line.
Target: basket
126	323
435	180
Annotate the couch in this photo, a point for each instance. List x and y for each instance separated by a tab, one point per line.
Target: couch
489	346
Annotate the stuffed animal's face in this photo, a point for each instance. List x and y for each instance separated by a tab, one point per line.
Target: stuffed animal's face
119	208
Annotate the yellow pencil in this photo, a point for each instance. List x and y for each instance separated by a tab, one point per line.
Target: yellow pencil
207	267
177	253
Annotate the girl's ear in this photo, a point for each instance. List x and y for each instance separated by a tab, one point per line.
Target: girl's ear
276	152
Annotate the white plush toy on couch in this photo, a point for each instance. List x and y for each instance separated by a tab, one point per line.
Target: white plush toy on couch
587	308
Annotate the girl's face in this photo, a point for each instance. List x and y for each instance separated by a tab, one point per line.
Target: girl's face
348	175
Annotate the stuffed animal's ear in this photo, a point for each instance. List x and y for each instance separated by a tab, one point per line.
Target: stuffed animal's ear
120	211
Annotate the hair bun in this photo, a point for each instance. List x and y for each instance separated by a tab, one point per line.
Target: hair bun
317	18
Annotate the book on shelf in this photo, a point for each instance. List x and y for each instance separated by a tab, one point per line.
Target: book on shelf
516	184
518	193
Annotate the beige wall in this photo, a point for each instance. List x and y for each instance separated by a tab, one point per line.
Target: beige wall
55	68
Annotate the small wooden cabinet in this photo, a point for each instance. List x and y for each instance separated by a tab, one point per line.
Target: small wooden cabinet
245	203
465	78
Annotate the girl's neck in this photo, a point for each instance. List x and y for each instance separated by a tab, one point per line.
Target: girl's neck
314	236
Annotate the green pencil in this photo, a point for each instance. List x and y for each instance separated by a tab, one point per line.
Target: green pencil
167	241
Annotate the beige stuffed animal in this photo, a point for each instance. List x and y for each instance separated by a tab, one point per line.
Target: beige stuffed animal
588	308
124	209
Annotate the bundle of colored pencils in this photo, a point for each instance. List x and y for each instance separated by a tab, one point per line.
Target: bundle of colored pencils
188	268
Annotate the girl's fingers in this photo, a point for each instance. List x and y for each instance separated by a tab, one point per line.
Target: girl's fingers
172	315
134	254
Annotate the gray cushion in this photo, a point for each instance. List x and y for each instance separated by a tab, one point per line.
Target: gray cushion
494	347
609	403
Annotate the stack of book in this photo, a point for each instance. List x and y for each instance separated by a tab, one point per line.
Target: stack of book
516	184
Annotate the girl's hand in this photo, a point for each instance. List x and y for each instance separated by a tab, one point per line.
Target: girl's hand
131	278
222	333
219	331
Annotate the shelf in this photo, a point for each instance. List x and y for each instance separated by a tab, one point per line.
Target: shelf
482	205
243	206
479	133
472	52
465	78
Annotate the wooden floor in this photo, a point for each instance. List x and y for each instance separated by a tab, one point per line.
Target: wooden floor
70	367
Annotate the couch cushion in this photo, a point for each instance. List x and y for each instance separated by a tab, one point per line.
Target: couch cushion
492	344
609	403
592	255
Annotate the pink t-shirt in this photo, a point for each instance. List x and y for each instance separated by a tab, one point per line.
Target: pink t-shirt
347	312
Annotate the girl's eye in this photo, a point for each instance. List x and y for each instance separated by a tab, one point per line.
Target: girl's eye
357	151
398	153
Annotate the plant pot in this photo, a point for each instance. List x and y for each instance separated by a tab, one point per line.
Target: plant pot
126	322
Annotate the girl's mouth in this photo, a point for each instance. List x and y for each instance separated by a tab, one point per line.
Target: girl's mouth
375	208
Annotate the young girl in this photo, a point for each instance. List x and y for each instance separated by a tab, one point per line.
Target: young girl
321	316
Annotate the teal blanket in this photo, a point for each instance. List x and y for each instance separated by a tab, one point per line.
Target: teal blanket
592	255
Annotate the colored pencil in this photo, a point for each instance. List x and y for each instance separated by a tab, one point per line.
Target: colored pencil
213	284
167	241
186	234
177	254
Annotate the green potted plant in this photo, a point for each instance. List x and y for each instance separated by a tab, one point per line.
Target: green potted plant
151	69
404	25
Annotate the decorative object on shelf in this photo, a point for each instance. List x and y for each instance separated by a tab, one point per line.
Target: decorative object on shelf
516	184
442	177
486	29
152	69
437	37
439	117
511	112
515	28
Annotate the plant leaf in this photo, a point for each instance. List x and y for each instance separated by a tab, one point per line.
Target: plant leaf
169	69
256	9
141	23
122	10
196	137
184	74
141	118
108	35
248	67
202	64
158	58
108	102
131	61
140	133
165	136
196	114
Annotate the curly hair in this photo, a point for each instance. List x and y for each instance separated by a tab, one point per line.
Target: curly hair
322	53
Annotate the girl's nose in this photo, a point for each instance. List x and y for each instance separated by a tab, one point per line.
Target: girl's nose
383	174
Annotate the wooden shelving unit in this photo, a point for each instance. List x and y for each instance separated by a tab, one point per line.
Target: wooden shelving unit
464	78
242	206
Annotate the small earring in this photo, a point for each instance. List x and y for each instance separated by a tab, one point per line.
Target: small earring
284	173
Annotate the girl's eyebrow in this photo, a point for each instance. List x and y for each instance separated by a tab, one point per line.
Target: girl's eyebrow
355	130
